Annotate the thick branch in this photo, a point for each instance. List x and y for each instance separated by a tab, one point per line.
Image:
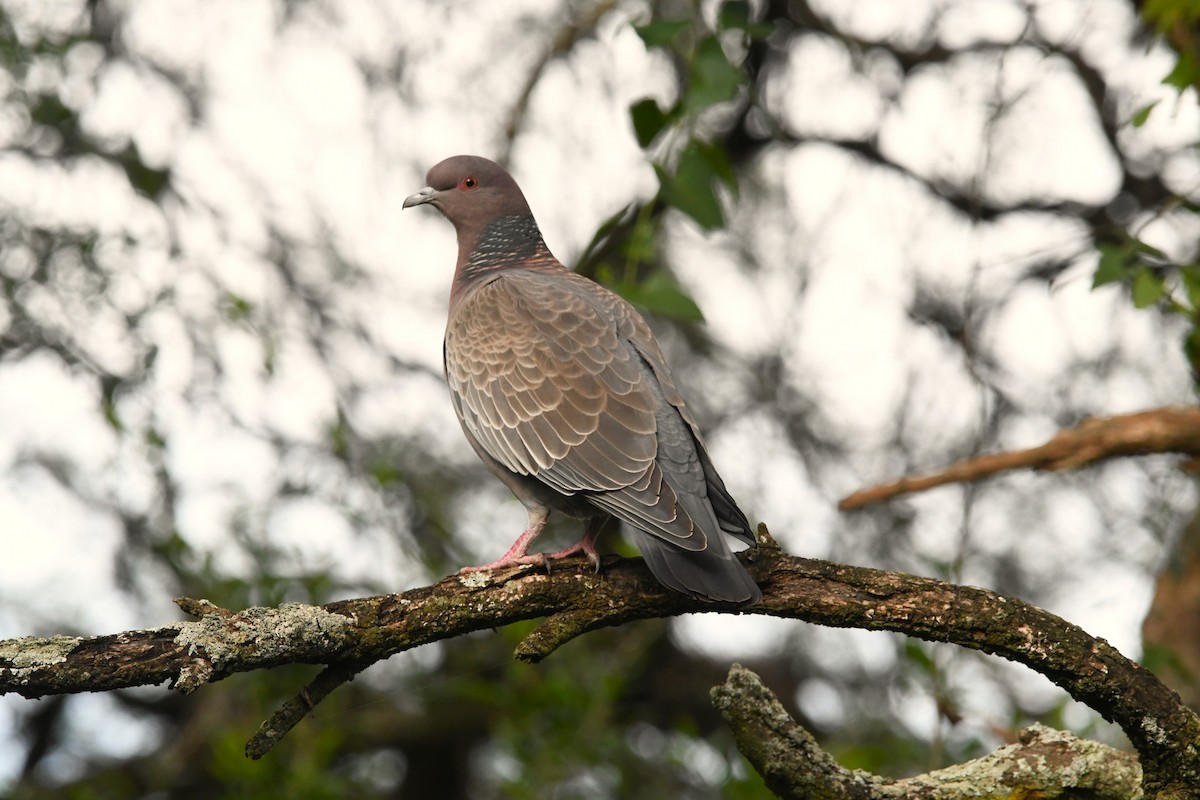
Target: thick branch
1046	763
1161	430
356	632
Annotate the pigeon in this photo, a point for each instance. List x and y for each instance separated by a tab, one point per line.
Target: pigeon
563	392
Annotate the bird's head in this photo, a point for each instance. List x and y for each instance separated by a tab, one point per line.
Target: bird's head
470	192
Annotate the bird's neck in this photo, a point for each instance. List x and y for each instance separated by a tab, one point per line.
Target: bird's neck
506	242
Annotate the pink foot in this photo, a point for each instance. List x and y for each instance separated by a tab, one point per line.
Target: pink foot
537	560
584	545
518	554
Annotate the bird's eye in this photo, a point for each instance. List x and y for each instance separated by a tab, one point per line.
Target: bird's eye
469	183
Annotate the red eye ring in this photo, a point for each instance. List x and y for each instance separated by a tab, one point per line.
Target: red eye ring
468	183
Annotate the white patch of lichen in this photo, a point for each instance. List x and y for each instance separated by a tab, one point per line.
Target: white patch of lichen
1153	730
259	634
34	652
475	580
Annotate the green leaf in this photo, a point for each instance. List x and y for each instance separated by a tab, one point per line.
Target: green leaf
1147	288
734	14
648	120
1141	248
1112	266
1142	114
1184	74
718	159
661	32
691	189
602	233
658	294
642	242
1190	273
713	79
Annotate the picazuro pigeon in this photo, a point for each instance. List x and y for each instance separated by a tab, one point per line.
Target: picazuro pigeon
564	393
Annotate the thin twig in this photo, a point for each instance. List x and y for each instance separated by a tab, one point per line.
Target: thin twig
290	713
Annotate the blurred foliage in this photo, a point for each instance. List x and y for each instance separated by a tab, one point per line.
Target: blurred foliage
708	79
1151	279
1178	22
690	167
619	713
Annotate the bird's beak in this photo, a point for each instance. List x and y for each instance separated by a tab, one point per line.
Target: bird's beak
426	195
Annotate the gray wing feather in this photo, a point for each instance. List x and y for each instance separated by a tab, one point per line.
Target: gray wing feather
558	379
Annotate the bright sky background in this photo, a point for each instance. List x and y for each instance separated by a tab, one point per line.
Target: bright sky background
296	135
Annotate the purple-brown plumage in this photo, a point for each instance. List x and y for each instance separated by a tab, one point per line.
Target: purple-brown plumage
564	393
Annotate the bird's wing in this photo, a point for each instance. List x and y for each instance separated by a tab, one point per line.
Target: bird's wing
729	516
547	381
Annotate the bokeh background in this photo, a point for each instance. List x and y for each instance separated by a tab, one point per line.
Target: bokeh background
874	236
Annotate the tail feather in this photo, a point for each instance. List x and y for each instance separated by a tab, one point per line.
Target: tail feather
713	574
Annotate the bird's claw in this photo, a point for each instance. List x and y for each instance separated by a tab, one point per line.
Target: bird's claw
542	560
536	560
585	547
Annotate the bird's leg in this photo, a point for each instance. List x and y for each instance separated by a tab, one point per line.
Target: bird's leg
516	554
586	545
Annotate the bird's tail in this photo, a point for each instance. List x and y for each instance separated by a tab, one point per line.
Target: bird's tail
712	574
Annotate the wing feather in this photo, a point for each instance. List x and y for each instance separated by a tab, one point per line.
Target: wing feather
558	379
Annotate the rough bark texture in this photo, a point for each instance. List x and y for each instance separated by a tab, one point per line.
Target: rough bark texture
1045	764
350	634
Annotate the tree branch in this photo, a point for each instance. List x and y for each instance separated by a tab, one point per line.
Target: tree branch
1161	430
794	765
290	713
349	634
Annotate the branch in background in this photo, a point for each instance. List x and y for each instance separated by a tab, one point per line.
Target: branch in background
564	41
294	710
1162	430
794	766
349	634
